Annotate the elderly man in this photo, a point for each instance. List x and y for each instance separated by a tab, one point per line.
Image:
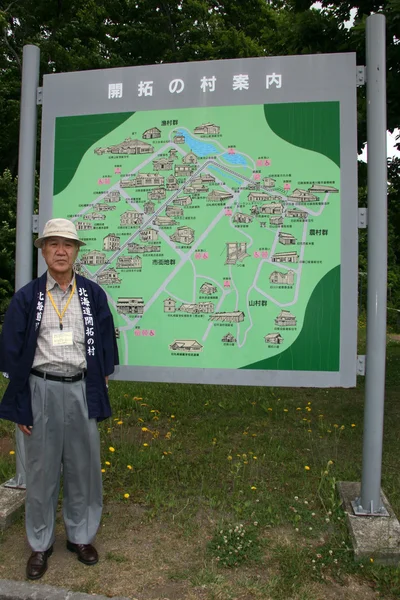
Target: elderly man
58	347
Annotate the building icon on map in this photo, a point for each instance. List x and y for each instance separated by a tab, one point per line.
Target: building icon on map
321	189
164	221
149	208
113	196
149	235
208	289
183	235
218	195
108	277
302	196
285	319
131	217
129	262
94	257
278	277
128	146
172	183
287	257
169	305
207	128
273	338
182	201
157	194
286	238
111	242
179	139
235	251
297	213
197	308
276	221
236	316
174	211
186	346
82	226
163	164
130	306
151	134
229	338
242	218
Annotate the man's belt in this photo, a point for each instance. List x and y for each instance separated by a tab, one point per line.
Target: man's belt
62	378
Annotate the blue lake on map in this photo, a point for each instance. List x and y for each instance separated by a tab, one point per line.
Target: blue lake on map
234	159
224	174
201	149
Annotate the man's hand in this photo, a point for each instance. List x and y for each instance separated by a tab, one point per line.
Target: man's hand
107	381
25	429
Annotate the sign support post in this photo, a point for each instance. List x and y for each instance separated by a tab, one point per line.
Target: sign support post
25	202
370	502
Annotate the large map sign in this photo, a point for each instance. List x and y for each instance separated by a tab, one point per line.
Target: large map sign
218	205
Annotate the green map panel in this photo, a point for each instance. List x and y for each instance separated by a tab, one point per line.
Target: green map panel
319	339
74	135
312	125
215	232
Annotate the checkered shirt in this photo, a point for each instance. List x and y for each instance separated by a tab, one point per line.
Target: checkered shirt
61	360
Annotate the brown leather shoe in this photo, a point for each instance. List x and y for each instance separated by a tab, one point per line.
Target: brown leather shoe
37	564
87	553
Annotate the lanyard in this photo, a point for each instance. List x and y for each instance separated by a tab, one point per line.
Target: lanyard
60	315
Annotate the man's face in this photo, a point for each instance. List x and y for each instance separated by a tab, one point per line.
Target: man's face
60	254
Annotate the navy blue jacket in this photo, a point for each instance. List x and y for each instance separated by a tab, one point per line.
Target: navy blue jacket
18	345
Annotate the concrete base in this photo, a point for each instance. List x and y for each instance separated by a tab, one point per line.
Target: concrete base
20	590
372	537
11	505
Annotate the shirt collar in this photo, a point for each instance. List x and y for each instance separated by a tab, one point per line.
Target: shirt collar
52	283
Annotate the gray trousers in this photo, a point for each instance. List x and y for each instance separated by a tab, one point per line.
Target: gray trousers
63	434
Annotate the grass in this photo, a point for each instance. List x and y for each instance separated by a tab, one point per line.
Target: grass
266	458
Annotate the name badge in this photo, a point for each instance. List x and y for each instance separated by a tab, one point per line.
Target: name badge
62	338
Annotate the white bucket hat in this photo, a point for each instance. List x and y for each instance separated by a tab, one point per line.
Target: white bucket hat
59	228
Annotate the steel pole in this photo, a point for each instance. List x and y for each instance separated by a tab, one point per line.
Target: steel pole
25	201
370	501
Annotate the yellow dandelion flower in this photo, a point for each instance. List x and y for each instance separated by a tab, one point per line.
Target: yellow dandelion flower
140	420
307	468
144	429
330	462
111	449
270	409
254	457
298	408
172	416
245	462
126	496
137	398
103	470
335	425
371	560
229	457
253	487
129	467
12	452
145	445
342	427
245	433
165	453
108	463
144	404
353	424
119	422
285	410
329	430
309	403
309	430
